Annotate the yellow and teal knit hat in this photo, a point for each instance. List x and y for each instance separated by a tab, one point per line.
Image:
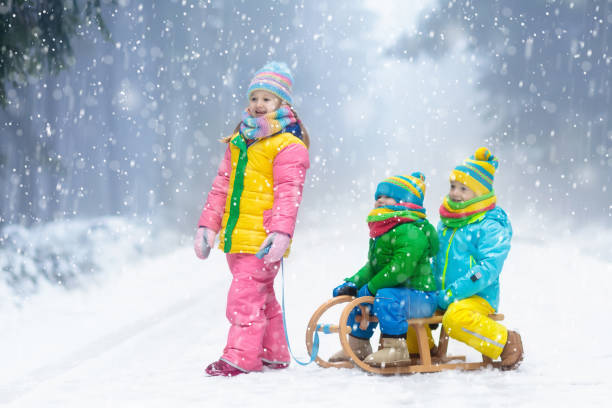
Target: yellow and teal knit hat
477	172
274	77
407	189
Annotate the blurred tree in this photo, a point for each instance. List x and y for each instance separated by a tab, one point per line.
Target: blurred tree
132	128
36	35
546	68
548	63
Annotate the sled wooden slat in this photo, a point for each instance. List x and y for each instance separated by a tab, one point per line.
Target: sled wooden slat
442	343
423	342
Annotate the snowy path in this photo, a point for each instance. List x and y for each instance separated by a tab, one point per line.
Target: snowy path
94	350
152	340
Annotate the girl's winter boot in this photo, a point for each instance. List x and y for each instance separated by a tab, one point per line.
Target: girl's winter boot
275	365
222	368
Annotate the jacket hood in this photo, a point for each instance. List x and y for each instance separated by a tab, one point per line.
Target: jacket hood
499	215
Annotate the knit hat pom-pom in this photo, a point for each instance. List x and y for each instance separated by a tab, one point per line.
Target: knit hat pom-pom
419	175
483	154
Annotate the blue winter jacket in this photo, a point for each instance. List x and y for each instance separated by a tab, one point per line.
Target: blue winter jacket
471	257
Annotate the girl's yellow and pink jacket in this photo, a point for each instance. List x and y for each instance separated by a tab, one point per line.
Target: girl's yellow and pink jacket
257	190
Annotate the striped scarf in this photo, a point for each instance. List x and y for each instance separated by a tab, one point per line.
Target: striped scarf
382	219
253	128
458	214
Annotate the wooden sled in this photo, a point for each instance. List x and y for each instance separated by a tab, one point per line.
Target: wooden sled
425	363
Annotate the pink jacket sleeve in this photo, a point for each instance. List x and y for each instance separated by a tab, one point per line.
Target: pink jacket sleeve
215	202
289	171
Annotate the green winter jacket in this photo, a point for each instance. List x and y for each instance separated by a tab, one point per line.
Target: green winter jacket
400	257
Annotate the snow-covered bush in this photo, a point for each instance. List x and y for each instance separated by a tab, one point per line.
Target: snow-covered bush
63	253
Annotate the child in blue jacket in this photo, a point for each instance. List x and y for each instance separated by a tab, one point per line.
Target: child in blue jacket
475	239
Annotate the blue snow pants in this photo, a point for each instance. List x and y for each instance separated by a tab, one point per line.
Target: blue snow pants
392	307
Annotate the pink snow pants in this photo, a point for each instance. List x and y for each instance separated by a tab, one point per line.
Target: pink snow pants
256	333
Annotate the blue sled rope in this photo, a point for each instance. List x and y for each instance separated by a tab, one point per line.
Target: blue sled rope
315	346
263	251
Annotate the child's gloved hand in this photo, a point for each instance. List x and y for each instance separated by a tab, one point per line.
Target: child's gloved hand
347	288
364	291
278	243
203	242
445	298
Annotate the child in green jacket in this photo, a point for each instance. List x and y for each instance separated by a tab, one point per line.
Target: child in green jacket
398	272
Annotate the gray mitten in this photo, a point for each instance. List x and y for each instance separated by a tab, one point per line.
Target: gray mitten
203	242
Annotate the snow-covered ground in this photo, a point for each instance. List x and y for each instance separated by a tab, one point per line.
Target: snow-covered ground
142	336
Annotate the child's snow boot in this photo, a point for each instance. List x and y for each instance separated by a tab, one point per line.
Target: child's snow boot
274	365
361	347
222	368
394	352
512	354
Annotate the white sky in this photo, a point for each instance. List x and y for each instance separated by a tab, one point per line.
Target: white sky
396	17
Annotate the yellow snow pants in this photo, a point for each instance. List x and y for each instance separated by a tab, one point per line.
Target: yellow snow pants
413	344
467	321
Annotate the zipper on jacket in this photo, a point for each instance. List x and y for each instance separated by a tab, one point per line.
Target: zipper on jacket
450	241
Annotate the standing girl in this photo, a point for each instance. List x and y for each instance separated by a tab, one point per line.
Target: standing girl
253	204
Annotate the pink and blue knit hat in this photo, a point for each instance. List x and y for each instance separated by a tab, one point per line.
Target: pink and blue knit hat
274	77
407	189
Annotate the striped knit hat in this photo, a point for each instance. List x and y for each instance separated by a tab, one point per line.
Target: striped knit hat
407	189
273	77
477	172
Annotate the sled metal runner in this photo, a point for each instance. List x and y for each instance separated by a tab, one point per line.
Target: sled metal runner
425	363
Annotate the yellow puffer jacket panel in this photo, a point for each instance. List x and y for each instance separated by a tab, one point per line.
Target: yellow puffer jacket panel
250	196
